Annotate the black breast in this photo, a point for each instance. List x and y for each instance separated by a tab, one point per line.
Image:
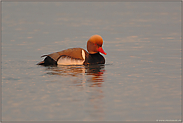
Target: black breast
96	58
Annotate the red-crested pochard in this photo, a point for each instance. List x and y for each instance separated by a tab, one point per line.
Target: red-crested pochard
78	56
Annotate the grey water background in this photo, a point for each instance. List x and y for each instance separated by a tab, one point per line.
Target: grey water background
141	80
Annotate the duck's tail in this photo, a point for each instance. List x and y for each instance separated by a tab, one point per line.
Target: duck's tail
40	63
47	61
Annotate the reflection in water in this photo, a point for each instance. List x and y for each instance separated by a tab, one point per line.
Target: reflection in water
97	72
91	80
93	73
66	70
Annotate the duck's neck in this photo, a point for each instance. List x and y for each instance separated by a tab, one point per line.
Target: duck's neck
94	53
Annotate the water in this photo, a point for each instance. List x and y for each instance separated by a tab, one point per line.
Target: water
141	79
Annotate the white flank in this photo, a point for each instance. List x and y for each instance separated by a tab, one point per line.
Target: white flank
70	61
83	54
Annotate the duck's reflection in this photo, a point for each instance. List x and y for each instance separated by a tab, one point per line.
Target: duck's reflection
96	72
91	73
89	79
66	70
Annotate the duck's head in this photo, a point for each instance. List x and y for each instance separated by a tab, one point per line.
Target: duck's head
94	44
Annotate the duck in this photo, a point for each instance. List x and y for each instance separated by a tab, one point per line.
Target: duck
78	56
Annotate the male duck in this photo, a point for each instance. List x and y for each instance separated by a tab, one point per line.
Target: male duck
78	56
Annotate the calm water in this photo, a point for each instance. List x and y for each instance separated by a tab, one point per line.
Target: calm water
141	77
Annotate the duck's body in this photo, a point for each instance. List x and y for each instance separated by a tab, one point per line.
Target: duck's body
78	56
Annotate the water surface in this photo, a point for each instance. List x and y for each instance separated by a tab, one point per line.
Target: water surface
141	79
